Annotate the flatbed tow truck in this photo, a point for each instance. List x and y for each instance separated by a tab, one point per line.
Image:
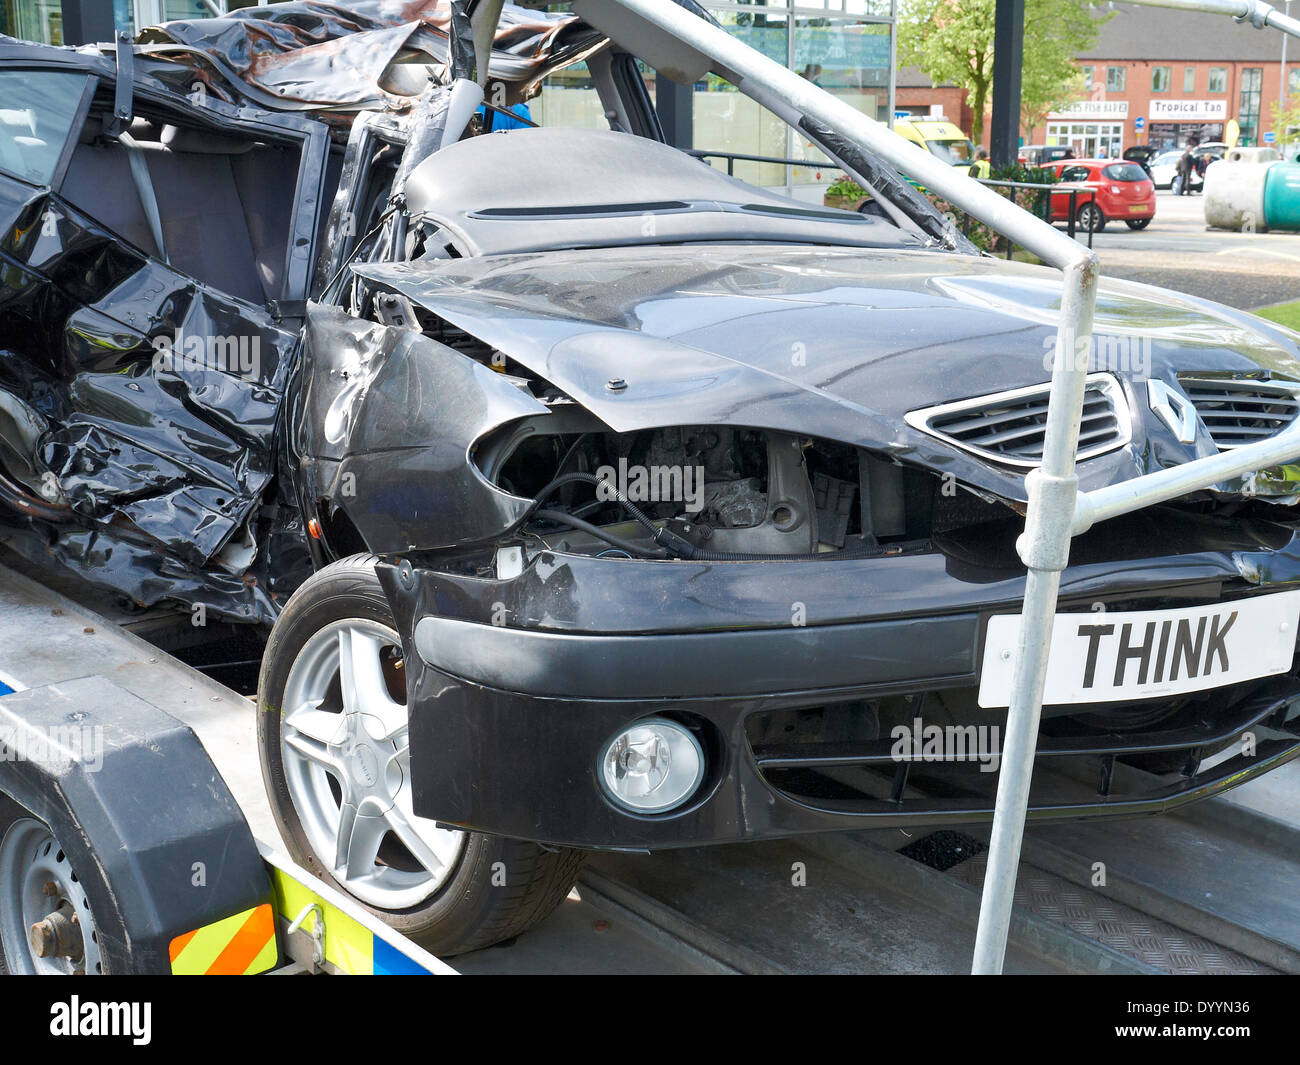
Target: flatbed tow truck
142	772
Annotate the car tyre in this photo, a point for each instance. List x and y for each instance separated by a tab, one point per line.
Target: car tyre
1090	219
349	779
1137	223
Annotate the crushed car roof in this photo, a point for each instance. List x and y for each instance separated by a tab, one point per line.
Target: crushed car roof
366	55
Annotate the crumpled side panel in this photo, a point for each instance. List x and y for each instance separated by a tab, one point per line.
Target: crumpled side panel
385	422
162	399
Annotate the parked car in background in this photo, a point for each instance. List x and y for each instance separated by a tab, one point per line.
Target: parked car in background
1120	191
1142	154
1206	156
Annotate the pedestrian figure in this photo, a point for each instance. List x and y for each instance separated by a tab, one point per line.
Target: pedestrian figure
981	167
1186	168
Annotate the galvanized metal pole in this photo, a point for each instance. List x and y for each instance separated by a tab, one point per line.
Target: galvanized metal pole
1056	513
1044	547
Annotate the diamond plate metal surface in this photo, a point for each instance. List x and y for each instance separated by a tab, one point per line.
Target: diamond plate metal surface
1118	926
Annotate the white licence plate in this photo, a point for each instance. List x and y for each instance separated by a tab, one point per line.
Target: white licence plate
1117	656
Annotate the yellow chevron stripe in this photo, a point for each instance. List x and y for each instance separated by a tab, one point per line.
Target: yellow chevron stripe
265	960
194	953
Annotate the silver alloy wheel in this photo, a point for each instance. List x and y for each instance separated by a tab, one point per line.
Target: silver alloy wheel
347	763
1090	217
46	927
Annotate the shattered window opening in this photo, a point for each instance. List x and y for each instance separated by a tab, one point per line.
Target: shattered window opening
37	110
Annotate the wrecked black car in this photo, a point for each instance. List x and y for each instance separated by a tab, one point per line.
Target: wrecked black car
599	499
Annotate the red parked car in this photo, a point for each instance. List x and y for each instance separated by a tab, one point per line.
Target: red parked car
1119	189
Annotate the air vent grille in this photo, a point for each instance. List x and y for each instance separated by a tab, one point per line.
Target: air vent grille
1009	427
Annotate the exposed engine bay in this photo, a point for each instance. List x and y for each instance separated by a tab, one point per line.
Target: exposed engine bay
707	492
713	493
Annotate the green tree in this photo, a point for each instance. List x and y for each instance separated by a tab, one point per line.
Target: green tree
952	41
1286	120
1040	96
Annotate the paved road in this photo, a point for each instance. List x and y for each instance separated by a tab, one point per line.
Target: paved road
1177	251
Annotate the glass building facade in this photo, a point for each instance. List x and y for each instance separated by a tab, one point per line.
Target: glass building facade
42	20
845	46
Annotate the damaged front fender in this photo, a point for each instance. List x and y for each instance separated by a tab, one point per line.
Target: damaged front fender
385	423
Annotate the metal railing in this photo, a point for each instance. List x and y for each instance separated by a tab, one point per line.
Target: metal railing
1256	12
733	157
1074	193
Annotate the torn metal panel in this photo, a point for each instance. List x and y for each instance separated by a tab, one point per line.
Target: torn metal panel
386	420
160	396
461	61
573	593
370	132
316	56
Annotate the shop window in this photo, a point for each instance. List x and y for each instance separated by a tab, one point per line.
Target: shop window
1252	82
32	20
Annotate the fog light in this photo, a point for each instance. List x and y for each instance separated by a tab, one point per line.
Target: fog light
652	766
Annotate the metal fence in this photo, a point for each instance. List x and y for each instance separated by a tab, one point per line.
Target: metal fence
1075	194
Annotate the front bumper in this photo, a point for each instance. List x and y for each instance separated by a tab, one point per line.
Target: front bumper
508	718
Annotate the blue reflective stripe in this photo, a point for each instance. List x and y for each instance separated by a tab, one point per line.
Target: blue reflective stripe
388	961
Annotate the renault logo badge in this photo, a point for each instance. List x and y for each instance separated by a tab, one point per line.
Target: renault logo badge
1174	408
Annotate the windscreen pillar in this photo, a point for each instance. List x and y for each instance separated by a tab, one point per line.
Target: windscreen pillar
675	104
88	21
1008	54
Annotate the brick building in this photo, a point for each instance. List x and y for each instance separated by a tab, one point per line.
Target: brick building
1175	74
1181	73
